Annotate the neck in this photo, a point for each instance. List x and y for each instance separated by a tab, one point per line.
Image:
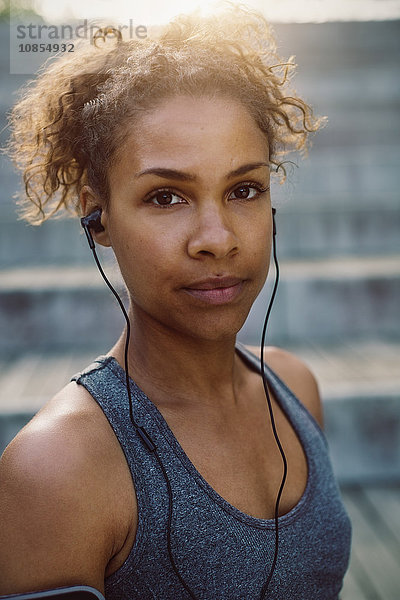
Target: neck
172	368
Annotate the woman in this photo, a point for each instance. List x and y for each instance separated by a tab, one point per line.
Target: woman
171	141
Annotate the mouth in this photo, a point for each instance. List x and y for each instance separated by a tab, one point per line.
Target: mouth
216	290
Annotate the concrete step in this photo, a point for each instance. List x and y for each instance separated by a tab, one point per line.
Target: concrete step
330	299
52	308
359	384
58	242
310	231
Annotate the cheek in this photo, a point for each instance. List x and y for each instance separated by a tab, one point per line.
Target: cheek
258	241
261	255
263	263
146	258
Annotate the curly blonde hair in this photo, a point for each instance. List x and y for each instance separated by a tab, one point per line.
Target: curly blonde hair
70	120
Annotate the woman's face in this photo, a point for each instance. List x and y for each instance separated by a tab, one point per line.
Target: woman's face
188	220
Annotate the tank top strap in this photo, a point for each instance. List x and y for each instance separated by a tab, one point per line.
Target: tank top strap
294	410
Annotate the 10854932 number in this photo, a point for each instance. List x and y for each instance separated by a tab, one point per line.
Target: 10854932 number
46	47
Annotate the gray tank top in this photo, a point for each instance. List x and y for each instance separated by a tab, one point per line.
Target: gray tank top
221	552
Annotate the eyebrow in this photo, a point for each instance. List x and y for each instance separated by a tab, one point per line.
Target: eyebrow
181	176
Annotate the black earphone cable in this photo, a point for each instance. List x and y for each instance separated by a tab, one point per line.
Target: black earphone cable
128	330
87	222
271	413
142	432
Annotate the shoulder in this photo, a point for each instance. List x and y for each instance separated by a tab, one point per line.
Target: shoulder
55	512
297	377
63	433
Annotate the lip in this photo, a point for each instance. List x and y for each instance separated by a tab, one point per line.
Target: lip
216	290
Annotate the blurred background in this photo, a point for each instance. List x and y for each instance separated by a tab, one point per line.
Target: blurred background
338	303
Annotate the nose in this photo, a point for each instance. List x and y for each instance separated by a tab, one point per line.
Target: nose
213	234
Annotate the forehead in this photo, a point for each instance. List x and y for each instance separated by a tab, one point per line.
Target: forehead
185	130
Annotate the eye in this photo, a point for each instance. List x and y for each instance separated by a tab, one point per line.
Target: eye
248	191
165	197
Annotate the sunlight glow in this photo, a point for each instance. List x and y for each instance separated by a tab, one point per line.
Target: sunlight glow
159	11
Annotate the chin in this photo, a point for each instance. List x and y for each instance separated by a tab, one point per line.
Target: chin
215	330
205	323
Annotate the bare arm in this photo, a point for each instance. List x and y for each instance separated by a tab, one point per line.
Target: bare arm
56	520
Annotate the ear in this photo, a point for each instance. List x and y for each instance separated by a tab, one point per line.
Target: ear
90	202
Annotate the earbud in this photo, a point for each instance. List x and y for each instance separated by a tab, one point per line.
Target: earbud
92	221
